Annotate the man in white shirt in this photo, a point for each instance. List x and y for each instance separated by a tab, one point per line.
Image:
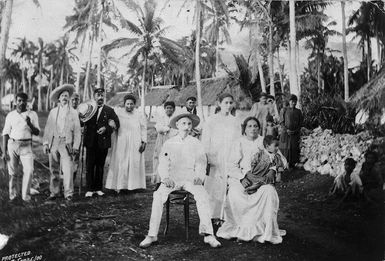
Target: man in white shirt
182	165
20	125
61	140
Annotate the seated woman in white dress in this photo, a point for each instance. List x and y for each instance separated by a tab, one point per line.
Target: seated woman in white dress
127	158
251	209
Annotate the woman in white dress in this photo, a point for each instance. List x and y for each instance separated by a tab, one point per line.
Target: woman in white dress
127	159
249	216
219	132
165	132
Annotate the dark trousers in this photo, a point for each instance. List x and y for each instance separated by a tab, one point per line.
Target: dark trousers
95	159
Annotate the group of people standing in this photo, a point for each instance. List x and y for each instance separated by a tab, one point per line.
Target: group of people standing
230	166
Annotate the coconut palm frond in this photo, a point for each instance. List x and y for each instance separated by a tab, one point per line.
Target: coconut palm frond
119	43
133	28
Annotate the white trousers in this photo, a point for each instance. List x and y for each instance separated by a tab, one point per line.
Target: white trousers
20	150
60	156
201	198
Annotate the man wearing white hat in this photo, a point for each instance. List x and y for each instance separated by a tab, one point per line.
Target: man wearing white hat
61	140
182	165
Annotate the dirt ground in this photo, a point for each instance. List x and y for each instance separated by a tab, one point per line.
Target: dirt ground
110	228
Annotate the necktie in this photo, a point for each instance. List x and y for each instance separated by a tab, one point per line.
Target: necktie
98	112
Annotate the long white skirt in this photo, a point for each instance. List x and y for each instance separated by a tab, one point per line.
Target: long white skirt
251	217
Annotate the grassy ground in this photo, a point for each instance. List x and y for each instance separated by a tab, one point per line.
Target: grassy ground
110	228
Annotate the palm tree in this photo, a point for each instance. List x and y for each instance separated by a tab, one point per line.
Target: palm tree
292	53
148	41
65	56
368	22
317	42
40	61
197	57
88	20
6	14
6	17
24	54
345	53
216	28
52	55
79	22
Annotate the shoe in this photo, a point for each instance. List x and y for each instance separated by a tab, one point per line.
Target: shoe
282	232
69	198
100	193
148	241
51	198
89	194
212	241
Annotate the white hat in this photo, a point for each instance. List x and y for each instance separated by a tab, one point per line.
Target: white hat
62	88
194	118
87	110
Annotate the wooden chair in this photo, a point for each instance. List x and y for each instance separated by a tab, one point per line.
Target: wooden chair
182	198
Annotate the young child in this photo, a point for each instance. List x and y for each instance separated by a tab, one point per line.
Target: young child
270	129
182	165
341	182
265	165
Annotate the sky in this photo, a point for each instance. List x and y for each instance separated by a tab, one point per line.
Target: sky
48	21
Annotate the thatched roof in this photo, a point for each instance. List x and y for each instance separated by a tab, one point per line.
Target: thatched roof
371	96
211	88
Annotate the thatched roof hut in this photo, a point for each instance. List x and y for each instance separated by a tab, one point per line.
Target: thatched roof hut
371	97
211	88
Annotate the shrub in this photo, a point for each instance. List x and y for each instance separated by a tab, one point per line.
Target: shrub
327	111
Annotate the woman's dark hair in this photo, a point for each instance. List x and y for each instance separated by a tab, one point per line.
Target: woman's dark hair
22	95
169	103
293	97
268	140
129	97
220	98
244	124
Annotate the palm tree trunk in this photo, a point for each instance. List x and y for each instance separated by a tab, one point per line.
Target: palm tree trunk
6	16
39	104
98	82
293	66
318	72
271	60
142	100
280	71
80	64
49	90
30	86
345	53
62	74
369	57
297	67
258	56
2	88
197	59
217	56
23	80
85	93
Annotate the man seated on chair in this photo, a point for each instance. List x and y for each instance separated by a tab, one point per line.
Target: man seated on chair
182	165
